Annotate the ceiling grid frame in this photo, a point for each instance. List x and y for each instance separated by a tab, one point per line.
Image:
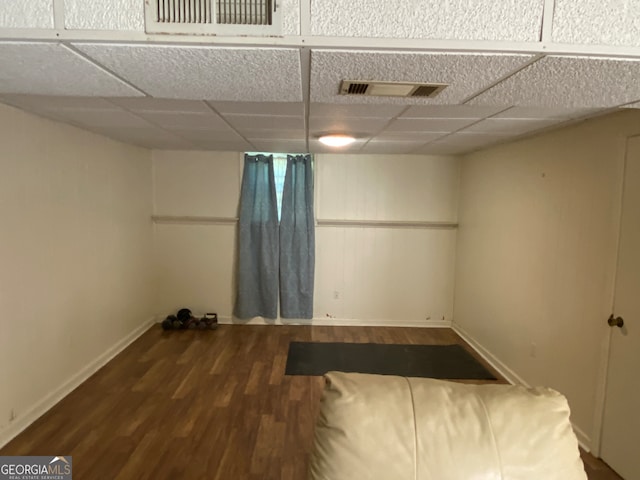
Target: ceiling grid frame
306	44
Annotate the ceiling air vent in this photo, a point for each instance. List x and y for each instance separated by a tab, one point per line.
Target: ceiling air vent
213	17
391	89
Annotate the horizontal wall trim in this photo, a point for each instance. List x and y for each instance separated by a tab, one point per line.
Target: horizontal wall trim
512	377
41	407
386	224
203	220
193	220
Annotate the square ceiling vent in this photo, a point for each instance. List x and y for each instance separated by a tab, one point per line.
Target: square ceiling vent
213	17
391	89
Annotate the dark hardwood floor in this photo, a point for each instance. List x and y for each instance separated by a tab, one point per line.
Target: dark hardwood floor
212	405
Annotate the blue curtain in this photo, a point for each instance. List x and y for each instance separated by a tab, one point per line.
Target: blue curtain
297	239
257	273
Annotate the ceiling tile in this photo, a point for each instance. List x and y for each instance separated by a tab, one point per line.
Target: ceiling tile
150	104
511	125
545	112
600	22
471	140
409	136
46	102
355	110
208	136
347	124
209	120
449	111
375	146
205	73
52	69
259	108
26	14
102	118
264	122
222	145
284	134
429	19
568	82
466	73
278	145
428	124
148	137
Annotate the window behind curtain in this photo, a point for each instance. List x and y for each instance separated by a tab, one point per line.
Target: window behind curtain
279	171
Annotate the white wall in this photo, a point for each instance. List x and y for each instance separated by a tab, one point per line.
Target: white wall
381	275
75	258
536	256
194	263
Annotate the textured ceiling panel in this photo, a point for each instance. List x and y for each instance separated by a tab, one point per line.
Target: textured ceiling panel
548	112
276	145
222	146
429	124
375	146
148	137
104	14
267	122
282	134
568	82
603	22
420	137
510	125
38	103
103	118
26	14
449	111
51	69
205	73
290	10
259	108
355	110
196	121
347	124
515	20
461	143
149	104
208	136
467	74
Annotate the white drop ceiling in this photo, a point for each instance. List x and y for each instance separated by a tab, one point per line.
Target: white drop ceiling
281	93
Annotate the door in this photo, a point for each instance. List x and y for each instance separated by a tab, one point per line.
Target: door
620	446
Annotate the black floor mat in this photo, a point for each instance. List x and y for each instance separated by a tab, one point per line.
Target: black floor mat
432	361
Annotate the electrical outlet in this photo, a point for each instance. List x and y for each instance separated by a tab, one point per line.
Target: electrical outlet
533	350
336	295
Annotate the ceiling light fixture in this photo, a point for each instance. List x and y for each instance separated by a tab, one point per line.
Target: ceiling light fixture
337	140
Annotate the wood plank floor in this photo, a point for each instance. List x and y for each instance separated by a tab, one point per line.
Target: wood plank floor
211	405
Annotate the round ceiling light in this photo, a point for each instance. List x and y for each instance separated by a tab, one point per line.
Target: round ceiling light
337	140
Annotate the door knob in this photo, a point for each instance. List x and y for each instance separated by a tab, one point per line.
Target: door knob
615	322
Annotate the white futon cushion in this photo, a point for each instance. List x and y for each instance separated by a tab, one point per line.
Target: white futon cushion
395	428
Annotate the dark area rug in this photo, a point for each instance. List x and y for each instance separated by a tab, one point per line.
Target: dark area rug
432	361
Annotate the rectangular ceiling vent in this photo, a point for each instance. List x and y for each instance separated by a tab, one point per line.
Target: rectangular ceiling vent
213	17
391	89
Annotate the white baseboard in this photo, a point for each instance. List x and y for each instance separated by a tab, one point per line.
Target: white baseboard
329	321
512	377
41	407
